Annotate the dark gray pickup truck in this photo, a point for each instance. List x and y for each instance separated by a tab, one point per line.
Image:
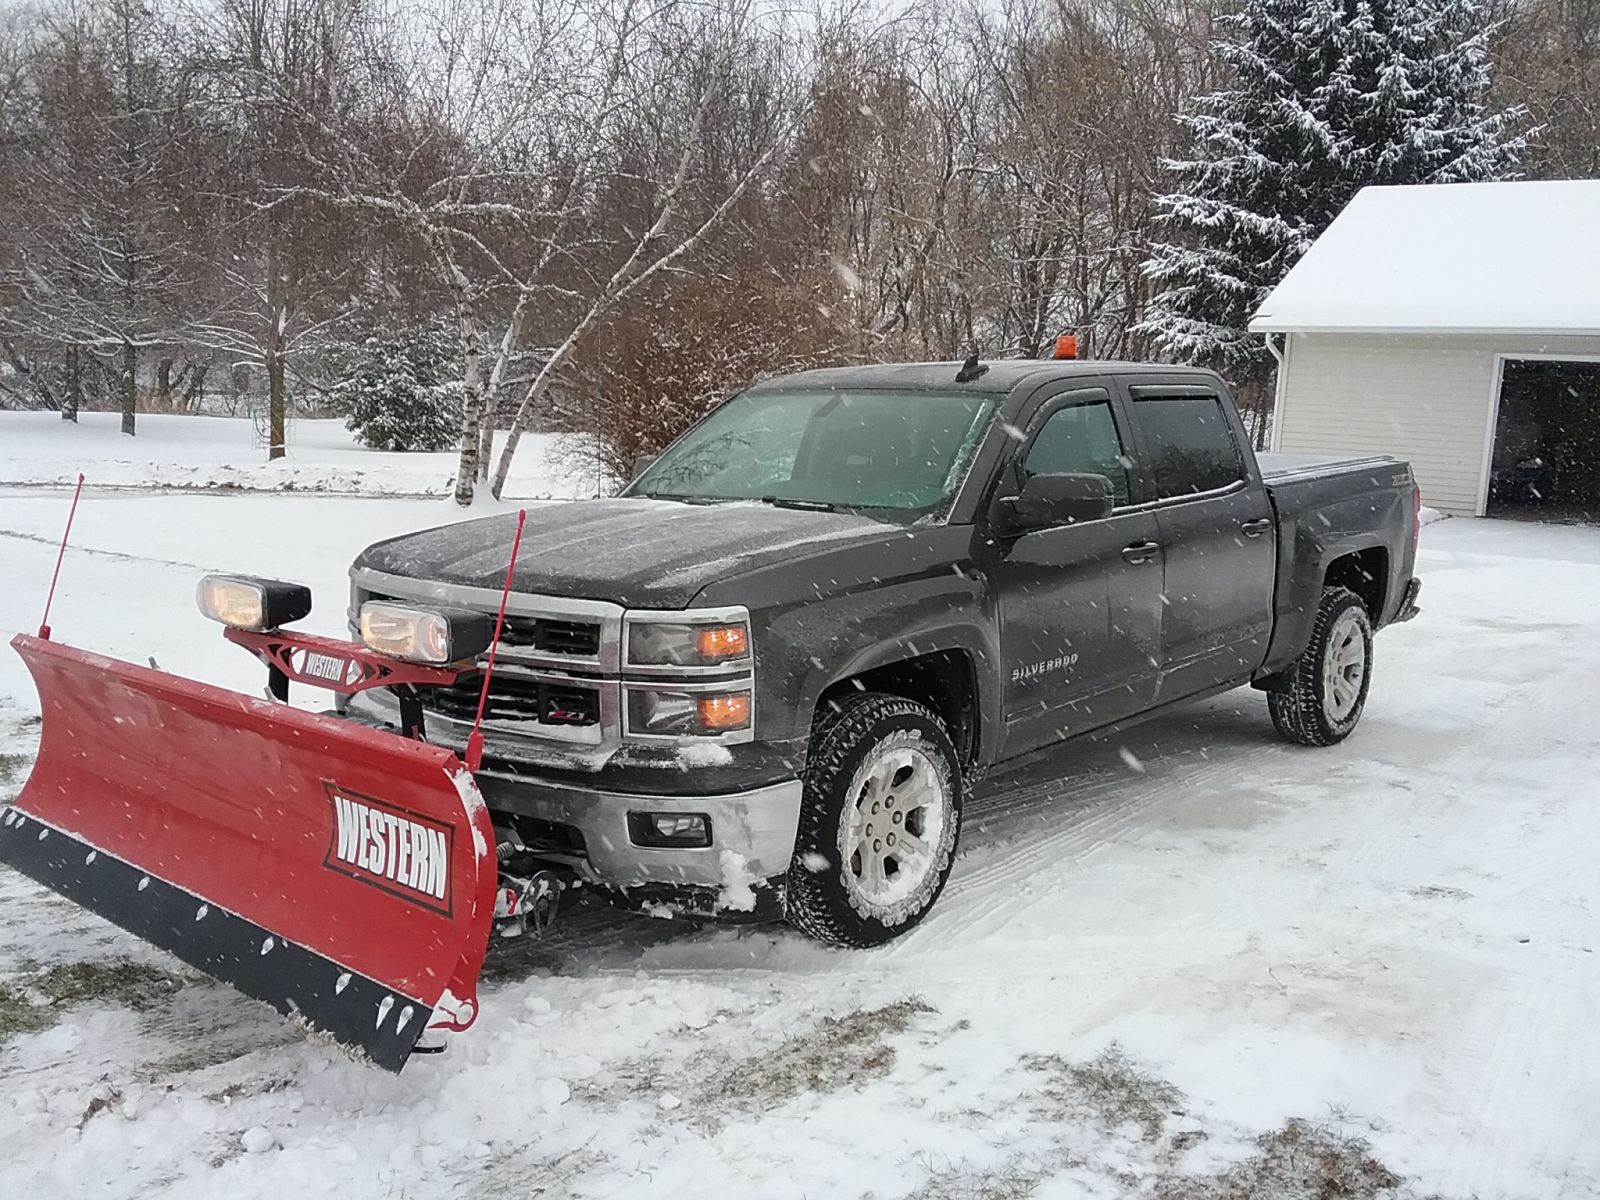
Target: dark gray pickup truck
760	681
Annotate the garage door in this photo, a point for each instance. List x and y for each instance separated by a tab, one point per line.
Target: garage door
1546	462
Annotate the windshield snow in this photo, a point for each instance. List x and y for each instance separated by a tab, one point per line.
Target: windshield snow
900	451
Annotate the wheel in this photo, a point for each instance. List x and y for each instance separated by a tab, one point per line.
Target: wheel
878	822
1328	683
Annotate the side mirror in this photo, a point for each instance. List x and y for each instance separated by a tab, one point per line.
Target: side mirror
1048	501
643	464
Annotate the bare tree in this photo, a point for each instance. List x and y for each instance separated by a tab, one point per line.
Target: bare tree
676	209
106	258
277	72
1547	57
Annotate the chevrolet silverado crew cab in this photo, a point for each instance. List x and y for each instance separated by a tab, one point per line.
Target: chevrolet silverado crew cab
759	682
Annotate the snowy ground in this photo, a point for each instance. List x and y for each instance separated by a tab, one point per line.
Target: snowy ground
222	453
1147	971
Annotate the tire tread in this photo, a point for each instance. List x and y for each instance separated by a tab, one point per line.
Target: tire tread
835	735
1297	712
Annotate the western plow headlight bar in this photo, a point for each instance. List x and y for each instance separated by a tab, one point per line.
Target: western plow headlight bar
346	875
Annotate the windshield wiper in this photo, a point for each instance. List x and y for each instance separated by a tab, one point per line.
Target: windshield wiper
775	501
678	497
807	505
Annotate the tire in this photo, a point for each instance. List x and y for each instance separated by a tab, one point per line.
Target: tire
1327	684
875	745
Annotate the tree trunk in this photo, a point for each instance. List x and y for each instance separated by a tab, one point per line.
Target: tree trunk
277	403
471	408
129	385
491	391
163	401
196	388
272	358
507	453
74	393
485	445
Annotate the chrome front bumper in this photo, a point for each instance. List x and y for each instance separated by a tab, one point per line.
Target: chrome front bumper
752	833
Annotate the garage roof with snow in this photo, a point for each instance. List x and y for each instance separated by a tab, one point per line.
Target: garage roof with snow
1450	258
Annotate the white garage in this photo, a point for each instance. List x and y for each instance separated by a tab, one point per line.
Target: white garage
1457	326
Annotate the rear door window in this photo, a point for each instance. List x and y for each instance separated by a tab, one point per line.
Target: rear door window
1190	444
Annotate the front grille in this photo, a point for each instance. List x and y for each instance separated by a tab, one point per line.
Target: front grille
547	635
512	698
550	635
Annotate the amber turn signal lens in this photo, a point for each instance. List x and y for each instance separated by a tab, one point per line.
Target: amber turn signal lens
717	642
728	711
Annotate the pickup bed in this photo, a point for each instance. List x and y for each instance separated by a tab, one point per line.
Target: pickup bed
760	681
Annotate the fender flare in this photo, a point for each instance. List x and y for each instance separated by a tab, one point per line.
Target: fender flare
966	638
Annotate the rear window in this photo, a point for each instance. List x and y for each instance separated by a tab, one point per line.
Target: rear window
1190	443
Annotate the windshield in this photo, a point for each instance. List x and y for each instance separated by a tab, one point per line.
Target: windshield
899	451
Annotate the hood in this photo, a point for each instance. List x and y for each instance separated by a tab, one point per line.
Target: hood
637	553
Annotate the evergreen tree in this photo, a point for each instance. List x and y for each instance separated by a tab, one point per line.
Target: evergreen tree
401	391
1410	103
1328	96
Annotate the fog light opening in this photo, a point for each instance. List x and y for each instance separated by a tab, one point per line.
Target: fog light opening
669	830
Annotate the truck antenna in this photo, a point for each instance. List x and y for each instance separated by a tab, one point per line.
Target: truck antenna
475	738
50	598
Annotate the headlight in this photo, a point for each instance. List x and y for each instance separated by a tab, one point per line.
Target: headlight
687	644
245	602
663	713
428	635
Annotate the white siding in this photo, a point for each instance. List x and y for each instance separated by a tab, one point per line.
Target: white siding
1422	398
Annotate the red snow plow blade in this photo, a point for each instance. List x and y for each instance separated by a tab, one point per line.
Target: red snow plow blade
343	874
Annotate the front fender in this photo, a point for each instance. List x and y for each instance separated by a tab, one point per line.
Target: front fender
831	616
971	638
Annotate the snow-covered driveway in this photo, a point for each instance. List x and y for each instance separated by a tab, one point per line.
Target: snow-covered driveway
1191	969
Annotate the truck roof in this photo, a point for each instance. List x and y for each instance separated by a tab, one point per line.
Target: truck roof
1002	374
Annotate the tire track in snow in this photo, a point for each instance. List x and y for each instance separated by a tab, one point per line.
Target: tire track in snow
1508	1087
117	555
1418	805
1104	808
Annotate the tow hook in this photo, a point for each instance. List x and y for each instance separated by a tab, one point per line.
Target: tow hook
527	904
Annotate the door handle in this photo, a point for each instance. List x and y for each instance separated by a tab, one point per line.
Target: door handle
1257	527
1140	552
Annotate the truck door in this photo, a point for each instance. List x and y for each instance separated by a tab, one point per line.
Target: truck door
1217	531
1079	604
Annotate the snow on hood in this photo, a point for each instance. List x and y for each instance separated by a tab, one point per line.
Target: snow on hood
636	552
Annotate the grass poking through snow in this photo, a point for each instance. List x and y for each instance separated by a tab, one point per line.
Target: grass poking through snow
36	1000
1111	1089
1301	1161
837	1052
19	1013
1009	1182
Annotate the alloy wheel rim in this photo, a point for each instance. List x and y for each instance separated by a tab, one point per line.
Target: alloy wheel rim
889	838
1344	668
